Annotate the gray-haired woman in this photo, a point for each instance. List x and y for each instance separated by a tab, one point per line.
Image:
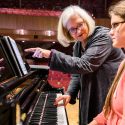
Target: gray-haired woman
93	64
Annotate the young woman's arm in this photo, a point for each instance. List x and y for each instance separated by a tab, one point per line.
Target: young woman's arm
93	123
99	120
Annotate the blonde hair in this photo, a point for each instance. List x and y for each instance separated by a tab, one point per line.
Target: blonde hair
118	9
108	102
63	35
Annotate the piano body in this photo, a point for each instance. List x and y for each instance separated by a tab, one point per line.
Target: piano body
26	98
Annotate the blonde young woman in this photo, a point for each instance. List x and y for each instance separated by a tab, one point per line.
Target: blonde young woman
93	65
114	109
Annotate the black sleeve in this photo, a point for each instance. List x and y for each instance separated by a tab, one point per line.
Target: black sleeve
93	57
74	87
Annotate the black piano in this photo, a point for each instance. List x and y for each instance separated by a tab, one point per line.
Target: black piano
26	98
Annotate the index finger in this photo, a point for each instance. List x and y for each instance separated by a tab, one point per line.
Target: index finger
58	99
30	50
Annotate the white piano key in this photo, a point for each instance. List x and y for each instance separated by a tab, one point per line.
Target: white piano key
61	114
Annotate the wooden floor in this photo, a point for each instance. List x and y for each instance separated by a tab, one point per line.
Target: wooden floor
73	113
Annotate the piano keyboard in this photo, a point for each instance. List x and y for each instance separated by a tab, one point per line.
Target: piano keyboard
26	98
45	113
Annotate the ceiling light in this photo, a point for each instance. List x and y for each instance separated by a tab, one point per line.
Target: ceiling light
49	33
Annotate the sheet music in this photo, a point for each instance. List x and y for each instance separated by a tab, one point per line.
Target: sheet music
18	55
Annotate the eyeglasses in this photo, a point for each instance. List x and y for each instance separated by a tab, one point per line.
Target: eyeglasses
115	25
74	30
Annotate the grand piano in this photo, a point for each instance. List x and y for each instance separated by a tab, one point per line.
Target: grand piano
26	97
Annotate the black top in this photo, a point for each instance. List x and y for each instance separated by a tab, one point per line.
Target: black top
93	68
